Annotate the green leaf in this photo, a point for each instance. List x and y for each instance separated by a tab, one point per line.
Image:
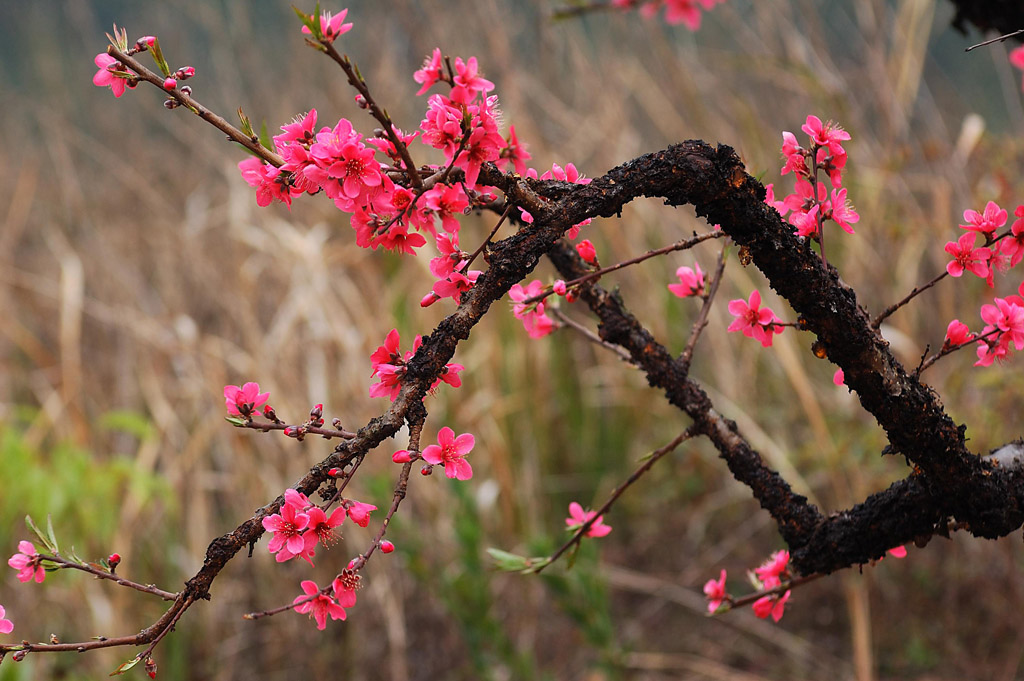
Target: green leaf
125	666
573	553
310	22
49	533
158	57
509	562
236	420
265	140
43	539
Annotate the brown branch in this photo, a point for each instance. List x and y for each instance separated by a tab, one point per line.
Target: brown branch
106	574
702	317
186	100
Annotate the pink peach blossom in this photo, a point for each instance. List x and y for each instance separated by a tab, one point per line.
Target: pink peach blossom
451	451
577	517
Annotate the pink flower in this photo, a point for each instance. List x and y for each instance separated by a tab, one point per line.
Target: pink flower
898	552
359	512
331	27
514	153
754	322
842	212
587	251
769	198
288	526
1017	58
6	626
320	526
714	590
826	134
772	571
468	82
771	605
987	222
1008	317
577	517
28	563
105	76
430	72
319	607
839	378
967	257
270	183
451	451
243	401
957	333
536	322
691	283
345	586
1013	245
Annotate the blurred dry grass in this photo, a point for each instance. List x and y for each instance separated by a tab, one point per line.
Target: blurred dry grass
139	275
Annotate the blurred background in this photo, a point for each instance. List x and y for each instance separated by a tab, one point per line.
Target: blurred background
138	277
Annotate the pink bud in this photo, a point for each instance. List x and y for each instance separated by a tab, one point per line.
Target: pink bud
334	472
429	299
185	72
401	456
587	251
426	470
170	83
386	546
559	287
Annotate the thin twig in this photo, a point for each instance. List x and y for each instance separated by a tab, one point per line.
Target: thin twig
104	574
359	83
590	335
596	274
877	321
994	40
585	527
702	317
233	133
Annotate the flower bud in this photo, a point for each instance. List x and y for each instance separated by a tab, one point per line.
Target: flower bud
171	104
386	546
426	470
113	560
185	72
19	655
401	456
361	102
429	299
186	90
334	472
170	83
559	287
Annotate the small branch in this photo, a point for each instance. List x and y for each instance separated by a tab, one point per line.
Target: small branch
949	349
104	574
596	274
357	81
702	317
585	527
590	335
877	321
327	433
480	249
233	133
780	589
580	10
994	40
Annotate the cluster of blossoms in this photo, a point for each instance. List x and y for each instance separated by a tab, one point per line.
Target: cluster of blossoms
301	525
390	365
1004	318
685	12
769	575
811	203
578	517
